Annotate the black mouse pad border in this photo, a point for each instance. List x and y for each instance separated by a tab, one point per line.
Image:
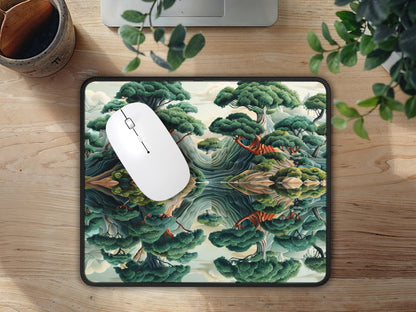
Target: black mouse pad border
257	212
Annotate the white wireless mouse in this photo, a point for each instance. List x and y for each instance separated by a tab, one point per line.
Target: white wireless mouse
147	151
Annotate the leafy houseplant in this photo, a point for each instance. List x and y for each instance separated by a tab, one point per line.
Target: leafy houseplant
178	51
376	29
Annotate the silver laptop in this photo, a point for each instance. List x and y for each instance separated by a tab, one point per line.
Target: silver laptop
197	12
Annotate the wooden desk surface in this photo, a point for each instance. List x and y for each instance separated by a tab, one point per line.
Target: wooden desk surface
374	188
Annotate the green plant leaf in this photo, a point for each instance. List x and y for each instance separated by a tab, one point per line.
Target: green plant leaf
374	11
405	21
383	32
370	102
380	89
389	44
370	28
342	2
131	35
376	58
348	55
159	61
346	15
175	59
194	46
133	16
394	105
395	70
354	6
159	34
359	128
159	9
410	107
168	3
339	122
177	37
314	42
131	48
385	112
390	92
142	37
179	47
411	11
405	84
367	44
342	31
345	110
132	65
327	35
348	18
315	62
398	7
412	77
333	62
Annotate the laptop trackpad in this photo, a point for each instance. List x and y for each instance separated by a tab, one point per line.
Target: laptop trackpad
196	8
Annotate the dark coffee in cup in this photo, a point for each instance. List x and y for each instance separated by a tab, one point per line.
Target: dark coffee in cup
42	38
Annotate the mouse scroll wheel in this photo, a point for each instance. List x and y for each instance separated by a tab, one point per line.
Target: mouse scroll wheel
130	124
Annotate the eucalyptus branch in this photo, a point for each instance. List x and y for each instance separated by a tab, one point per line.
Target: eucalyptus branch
178	50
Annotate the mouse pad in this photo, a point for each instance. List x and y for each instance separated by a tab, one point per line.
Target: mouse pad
256	211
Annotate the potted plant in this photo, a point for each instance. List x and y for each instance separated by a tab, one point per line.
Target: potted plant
178	50
379	30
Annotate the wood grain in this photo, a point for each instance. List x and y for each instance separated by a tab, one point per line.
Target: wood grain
374	187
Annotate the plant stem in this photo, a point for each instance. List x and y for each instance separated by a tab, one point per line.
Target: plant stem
370	111
149	14
335	49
